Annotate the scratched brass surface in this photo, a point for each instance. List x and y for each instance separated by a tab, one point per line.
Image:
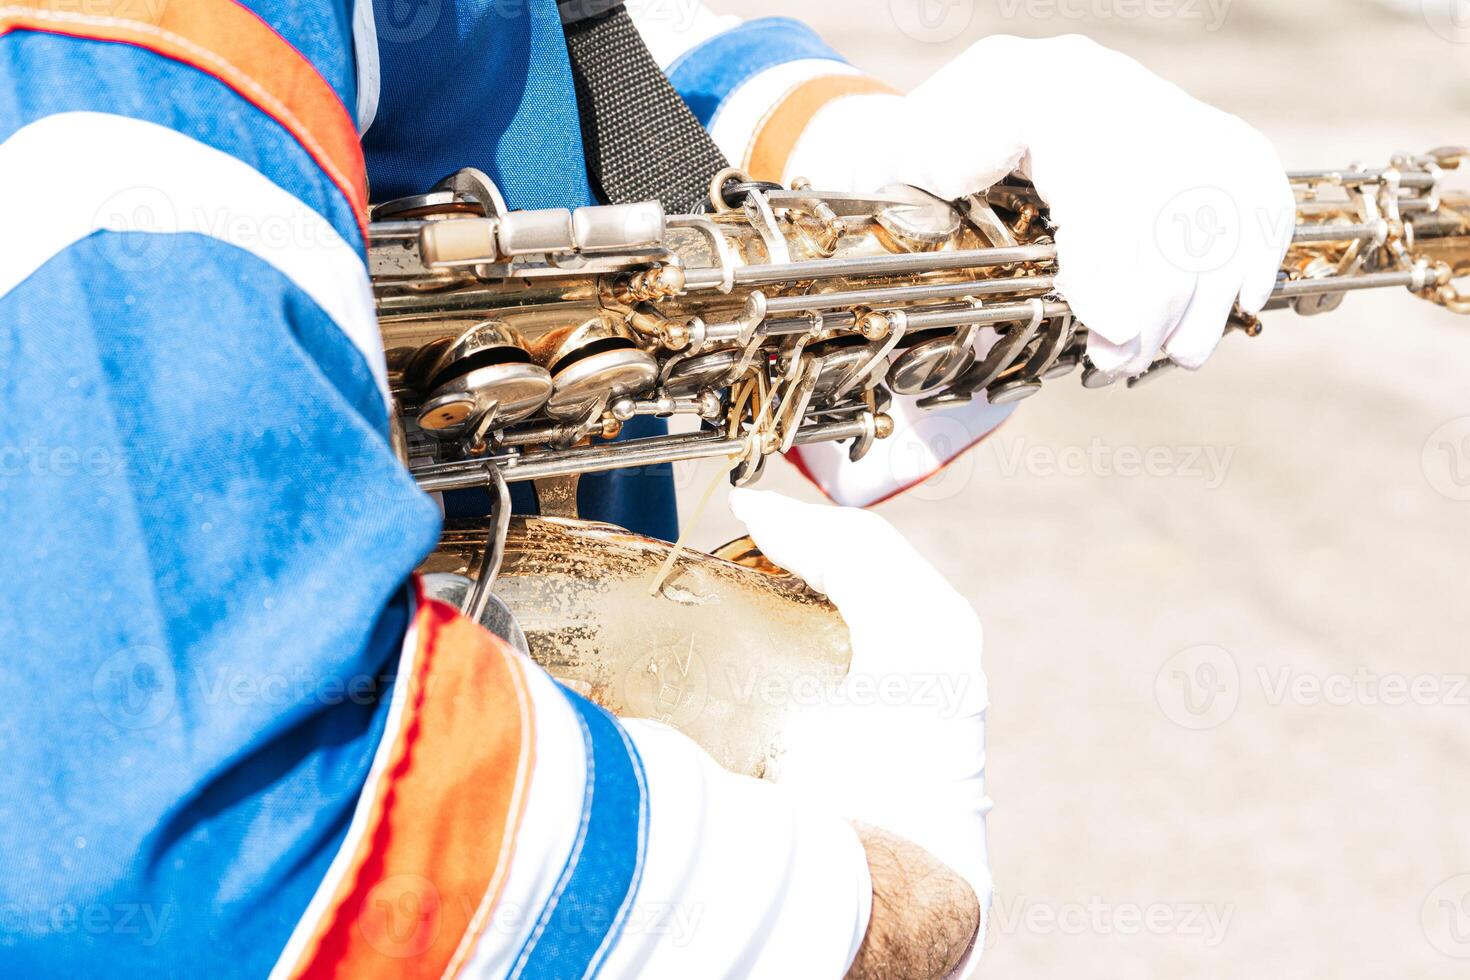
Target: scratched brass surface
725	653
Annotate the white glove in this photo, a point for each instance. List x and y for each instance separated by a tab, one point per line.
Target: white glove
902	746
1167	209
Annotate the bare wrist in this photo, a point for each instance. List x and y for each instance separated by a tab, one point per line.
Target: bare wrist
924	916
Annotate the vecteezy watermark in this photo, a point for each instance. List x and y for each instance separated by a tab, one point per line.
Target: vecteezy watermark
1203	229
1362	687
1446	459
670	685
146	222
407	21
677	15
1211	14
141	920
1207	465
1198	687
139	687
1201	687
233	684
1207	922
33	458
944	695
932	21
149	11
1445	917
1450	19
135	688
1199	230
403	914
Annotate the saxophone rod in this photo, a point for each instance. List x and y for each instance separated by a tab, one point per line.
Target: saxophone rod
1053	308
1356	178
1298	288
514	468
877	265
895	295
973	258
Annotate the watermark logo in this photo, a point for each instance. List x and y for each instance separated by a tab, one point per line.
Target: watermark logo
1210	13
932	444
1450	19
679	15
401	916
1199	687
932	21
1206	465
150	11
1205	922
135	688
670	684
1362	688
146	221
407	21
35	459
1446	459
143	924
1445	917
941	695
1199	230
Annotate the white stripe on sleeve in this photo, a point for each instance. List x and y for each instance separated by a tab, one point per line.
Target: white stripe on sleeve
155	179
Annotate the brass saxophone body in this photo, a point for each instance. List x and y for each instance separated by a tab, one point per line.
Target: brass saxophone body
519	343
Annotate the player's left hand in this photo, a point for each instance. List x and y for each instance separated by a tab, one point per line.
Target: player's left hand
903	746
1168	210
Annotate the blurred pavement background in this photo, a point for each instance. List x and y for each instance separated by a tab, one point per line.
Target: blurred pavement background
1230	724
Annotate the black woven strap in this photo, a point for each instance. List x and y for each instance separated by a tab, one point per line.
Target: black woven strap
641	140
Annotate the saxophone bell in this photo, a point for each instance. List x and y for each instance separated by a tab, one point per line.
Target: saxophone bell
729	650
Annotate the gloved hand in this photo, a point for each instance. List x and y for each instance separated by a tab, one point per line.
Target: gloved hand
1168	209
902	745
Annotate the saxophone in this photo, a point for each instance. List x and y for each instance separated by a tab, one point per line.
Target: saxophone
518	344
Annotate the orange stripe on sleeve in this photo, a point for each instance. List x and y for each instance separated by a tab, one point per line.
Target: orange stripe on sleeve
776	135
228	41
433	857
